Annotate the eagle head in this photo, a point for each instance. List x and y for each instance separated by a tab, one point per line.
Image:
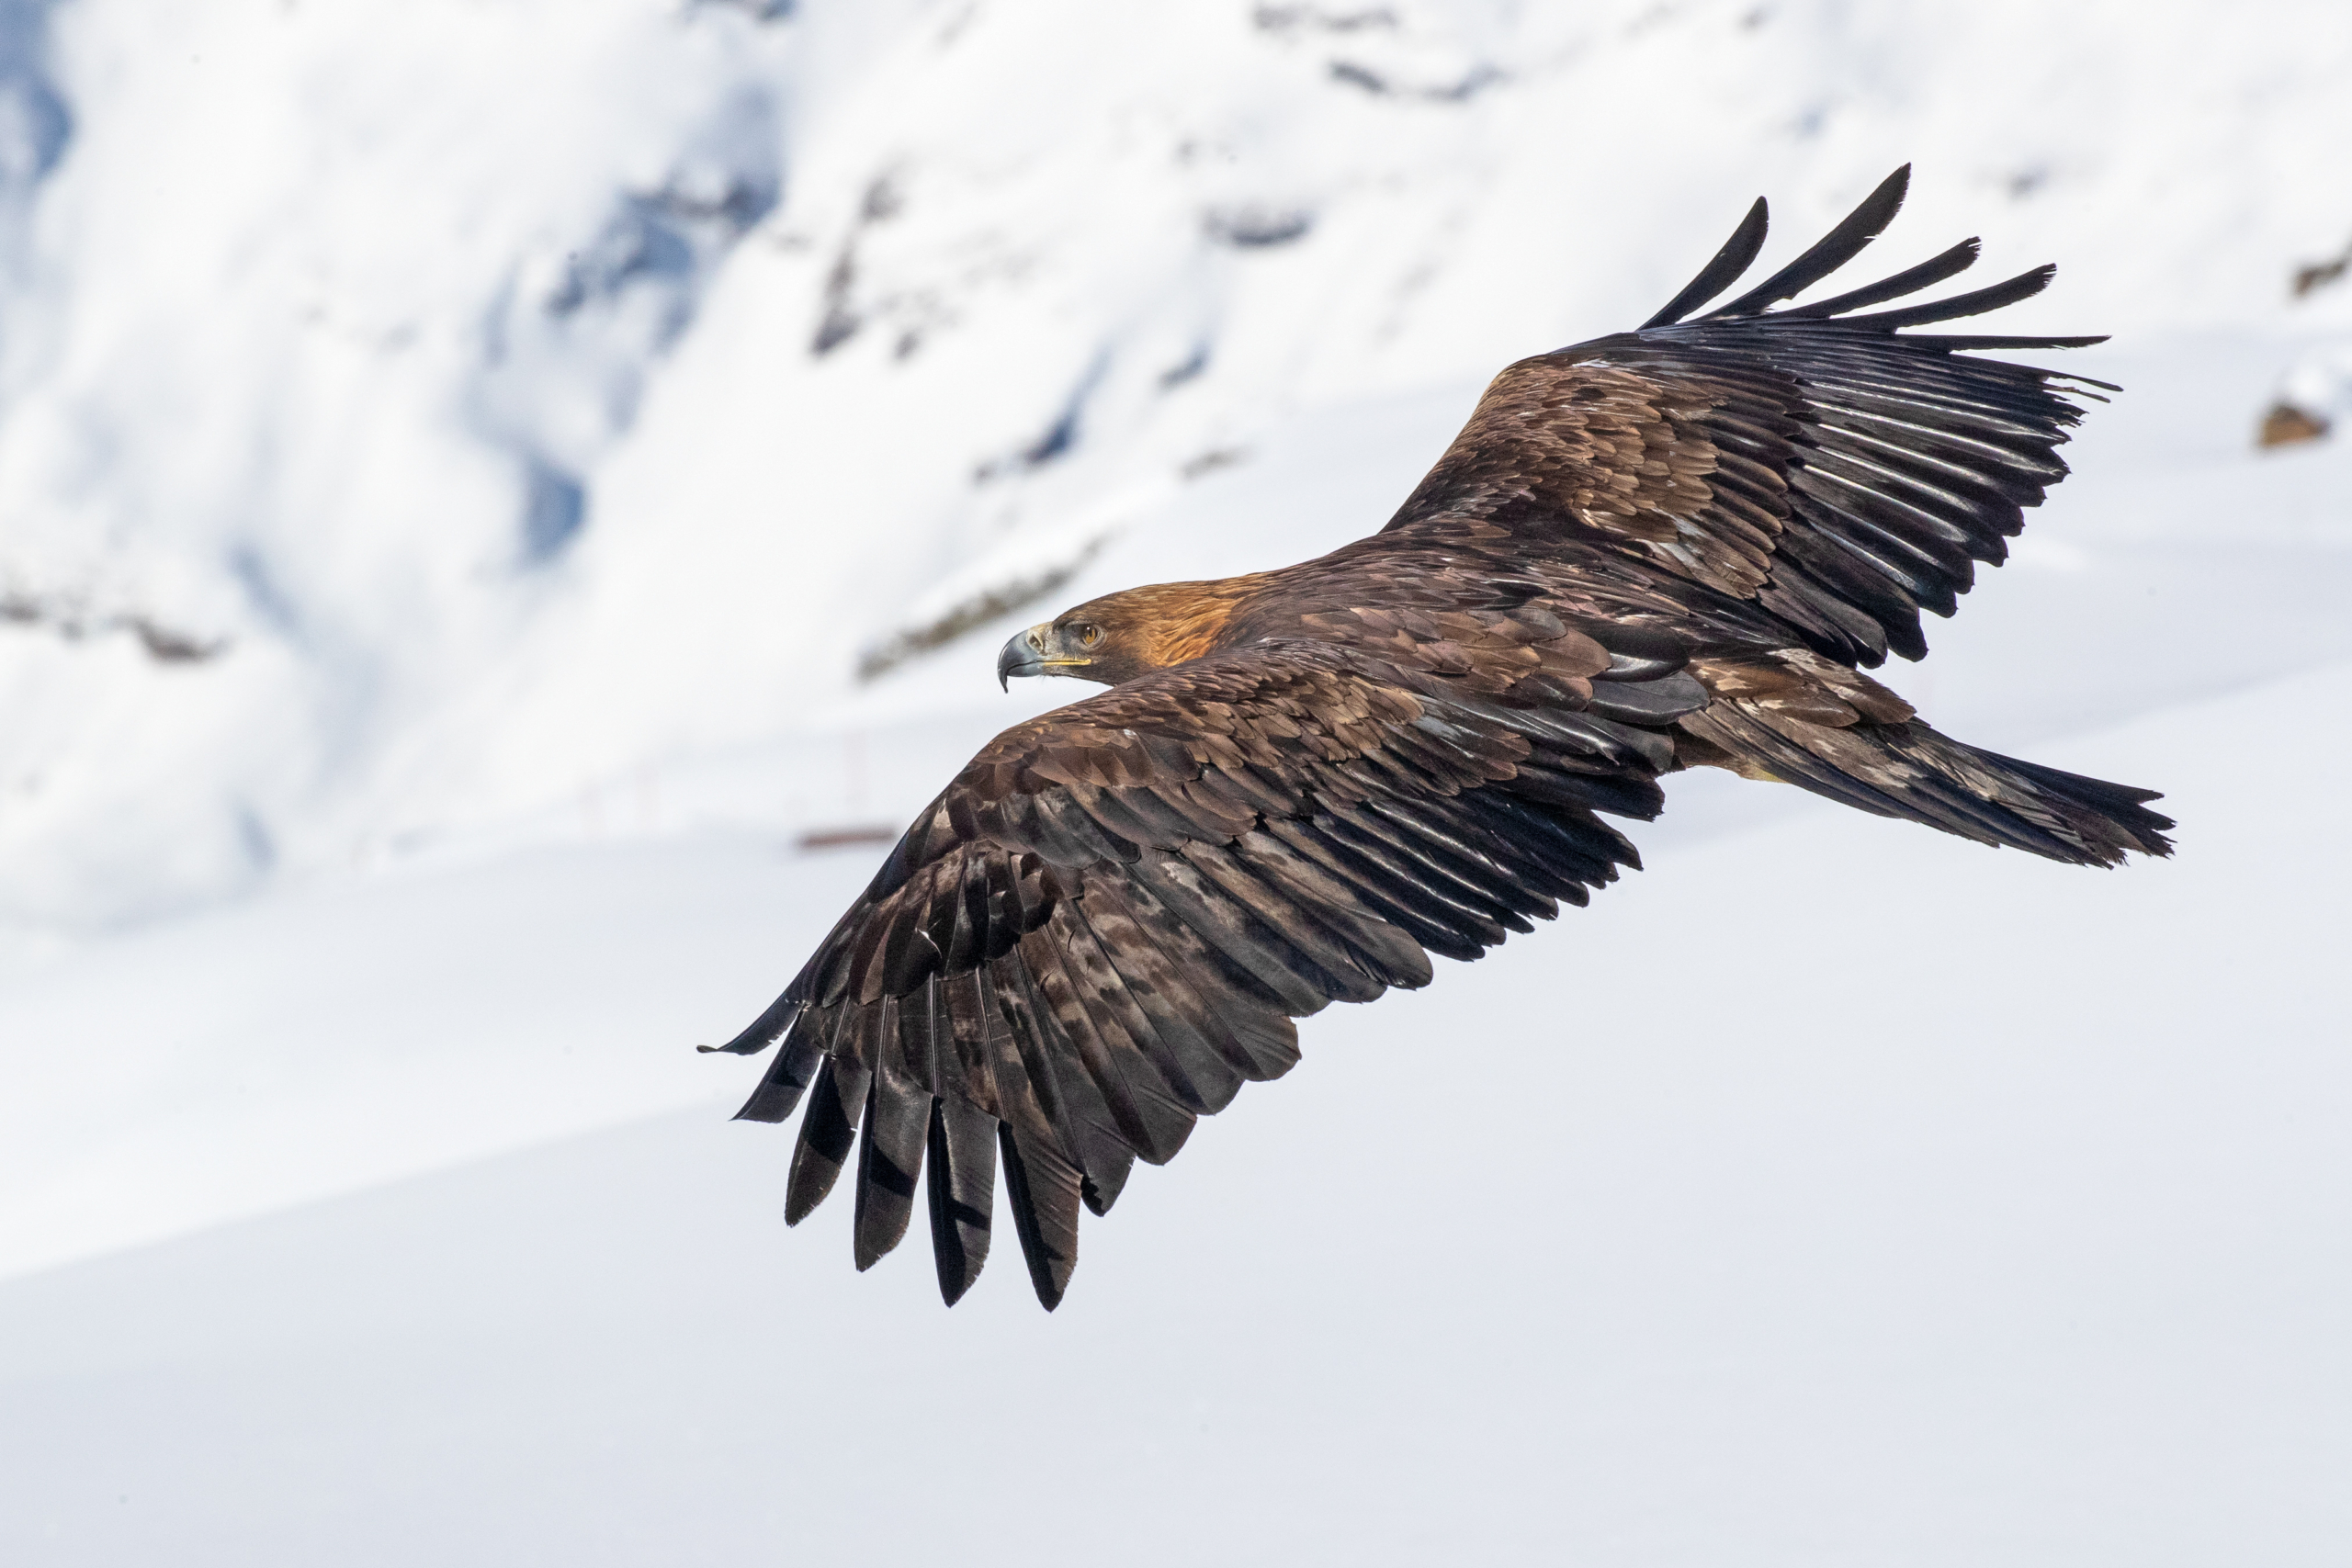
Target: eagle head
1123	635
1078	643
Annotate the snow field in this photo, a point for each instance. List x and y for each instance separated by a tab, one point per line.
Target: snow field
1920	1201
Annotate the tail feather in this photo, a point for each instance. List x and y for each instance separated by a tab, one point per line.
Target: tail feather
1911	771
2119	809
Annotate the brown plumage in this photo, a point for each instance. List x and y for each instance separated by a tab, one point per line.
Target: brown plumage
1676	547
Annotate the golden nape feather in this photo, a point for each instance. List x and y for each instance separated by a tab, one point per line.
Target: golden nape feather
1676	547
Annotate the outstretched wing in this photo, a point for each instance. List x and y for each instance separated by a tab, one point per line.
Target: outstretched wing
1104	926
1836	472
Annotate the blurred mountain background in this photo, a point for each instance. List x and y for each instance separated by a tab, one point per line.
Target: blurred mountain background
418	418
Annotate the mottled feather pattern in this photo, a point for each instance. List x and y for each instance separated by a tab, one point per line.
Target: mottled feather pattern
1672	547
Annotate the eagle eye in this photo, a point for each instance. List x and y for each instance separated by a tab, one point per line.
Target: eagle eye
1089	633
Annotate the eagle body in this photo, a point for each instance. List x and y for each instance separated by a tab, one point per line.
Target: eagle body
1672	547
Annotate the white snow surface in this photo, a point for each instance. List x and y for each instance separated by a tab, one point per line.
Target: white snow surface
1918	1203
448	373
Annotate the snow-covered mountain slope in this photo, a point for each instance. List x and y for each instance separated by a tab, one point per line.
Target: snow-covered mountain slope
1974	1210
417	418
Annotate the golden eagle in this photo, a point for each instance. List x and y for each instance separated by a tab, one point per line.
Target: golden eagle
1676	547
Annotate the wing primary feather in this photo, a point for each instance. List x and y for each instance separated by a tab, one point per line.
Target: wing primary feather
918	1020
1975	340
1934	522
1311	950
1910	280
890	1156
1845	521
763	1030
2008	291
1376	944
1147	1118
960	1041
828	1128
1159	1010
1829	253
790	1074
1720	272
1221	922
1062	1099
960	1178
1094	942
1042	1188
1987	412
1190	983
1955	453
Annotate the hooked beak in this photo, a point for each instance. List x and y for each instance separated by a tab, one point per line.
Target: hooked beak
1026	655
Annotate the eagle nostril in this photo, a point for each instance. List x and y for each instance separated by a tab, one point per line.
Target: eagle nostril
1036	642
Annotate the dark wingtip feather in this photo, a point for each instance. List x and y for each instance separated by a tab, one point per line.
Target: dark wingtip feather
1102	1189
2008	291
960	1176
889	1160
1723	271
763	1030
1970	340
1910	280
1043	1193
828	1128
788	1077
1832	251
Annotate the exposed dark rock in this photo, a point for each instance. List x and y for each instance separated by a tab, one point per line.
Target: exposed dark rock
2286	425
1213	460
1256	227
1476	81
840	318
1315	18
2315	275
555	505
73	622
1176	376
966	614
